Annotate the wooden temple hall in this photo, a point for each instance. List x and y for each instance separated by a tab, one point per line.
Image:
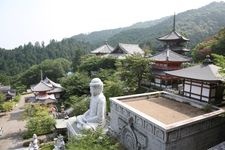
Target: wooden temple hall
202	82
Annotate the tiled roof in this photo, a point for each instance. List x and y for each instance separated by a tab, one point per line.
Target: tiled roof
129	49
173	36
203	72
169	55
220	146
104	49
5	88
47	85
48	81
41	87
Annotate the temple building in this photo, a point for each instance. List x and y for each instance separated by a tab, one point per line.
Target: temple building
103	50
7	91
175	40
170	58
122	50
201	82
167	60
47	91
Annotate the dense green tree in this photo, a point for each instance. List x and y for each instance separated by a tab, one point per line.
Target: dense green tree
113	87
53	69
4	79
76	84
77	59
133	70
21	58
214	44
220	61
219	46
39	121
2	97
80	104
92	63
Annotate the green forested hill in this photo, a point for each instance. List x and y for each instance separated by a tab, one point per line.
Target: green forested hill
196	24
214	44
98	37
20	59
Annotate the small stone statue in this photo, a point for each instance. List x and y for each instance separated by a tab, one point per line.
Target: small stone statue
34	144
95	116
59	143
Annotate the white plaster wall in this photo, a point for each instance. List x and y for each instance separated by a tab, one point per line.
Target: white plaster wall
186	87
196	90
205	92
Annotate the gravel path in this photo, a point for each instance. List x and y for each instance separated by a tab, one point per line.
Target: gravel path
13	125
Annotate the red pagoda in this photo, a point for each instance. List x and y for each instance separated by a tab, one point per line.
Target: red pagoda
169	59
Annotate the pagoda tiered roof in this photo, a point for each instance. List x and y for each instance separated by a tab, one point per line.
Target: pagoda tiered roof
169	55
174	35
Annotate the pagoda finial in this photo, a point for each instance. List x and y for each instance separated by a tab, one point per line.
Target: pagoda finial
174	22
41	75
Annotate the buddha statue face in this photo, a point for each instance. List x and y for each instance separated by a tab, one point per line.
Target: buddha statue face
96	87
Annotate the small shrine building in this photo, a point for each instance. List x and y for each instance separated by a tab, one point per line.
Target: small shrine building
47	90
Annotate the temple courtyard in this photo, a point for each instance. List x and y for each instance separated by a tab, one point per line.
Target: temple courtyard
13	126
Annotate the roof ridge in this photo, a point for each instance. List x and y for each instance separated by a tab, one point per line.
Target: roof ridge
121	46
180	54
46	84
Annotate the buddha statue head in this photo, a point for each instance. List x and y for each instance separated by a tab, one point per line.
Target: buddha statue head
96	86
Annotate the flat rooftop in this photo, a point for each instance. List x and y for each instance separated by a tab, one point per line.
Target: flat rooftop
163	109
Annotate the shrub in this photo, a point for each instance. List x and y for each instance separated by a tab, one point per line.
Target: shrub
7	106
47	146
39	121
17	98
93	140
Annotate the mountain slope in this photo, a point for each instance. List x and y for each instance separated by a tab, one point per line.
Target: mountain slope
196	24
98	37
214	44
15	61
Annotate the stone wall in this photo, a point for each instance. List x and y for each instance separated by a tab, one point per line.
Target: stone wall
139	131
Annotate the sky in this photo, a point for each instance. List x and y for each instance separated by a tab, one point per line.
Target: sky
24	21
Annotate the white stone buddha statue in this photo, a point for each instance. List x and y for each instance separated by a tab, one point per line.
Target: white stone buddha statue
95	116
